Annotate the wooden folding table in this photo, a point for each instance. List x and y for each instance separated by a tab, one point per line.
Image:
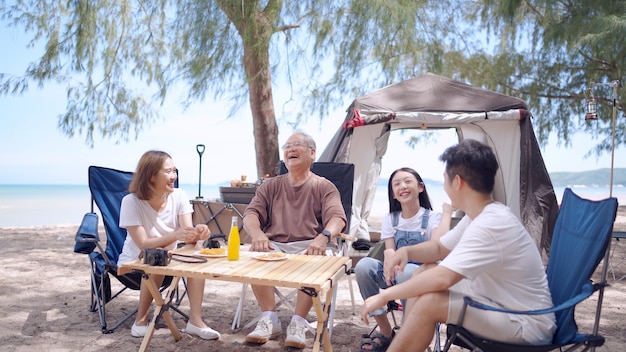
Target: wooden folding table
314	275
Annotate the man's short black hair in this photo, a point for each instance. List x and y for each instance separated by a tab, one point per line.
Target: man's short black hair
474	161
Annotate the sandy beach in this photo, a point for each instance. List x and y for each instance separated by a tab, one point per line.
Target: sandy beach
44	294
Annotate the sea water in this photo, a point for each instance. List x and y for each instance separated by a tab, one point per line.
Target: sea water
59	205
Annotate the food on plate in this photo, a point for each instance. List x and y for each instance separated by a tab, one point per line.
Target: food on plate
272	255
213	251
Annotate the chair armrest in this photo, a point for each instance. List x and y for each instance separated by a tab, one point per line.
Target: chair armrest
87	235
347	237
585	292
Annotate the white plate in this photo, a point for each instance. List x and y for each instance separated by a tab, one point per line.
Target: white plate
266	257
209	255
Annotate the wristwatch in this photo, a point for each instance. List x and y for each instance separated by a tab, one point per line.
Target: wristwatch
327	234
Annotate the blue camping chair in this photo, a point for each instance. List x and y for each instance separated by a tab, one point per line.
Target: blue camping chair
108	187
580	241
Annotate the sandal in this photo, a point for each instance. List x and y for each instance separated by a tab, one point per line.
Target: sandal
376	346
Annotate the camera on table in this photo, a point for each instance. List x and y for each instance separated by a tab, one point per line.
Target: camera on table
156	257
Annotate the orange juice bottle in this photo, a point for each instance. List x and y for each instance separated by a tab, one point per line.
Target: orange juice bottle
233	240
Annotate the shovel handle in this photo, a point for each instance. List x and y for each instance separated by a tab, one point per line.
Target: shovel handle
200	149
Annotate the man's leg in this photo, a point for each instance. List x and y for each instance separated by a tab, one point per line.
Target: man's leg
419	323
411	270
265	297
269	324
297	328
303	304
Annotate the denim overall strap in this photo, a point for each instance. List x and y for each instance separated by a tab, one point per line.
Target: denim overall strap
394	219
425	218
403	238
395	216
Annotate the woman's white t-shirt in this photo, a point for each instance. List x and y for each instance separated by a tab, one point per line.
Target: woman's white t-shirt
137	212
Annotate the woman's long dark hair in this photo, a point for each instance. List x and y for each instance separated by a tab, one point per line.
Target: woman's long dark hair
394	204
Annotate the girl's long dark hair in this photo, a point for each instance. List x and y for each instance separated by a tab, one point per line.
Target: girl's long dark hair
423	197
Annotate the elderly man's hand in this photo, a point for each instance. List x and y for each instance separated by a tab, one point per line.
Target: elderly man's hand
261	243
317	246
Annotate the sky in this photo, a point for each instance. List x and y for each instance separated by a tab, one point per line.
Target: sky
34	151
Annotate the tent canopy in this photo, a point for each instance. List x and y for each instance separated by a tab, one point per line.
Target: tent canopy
433	102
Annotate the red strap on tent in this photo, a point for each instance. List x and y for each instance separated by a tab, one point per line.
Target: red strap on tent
356	121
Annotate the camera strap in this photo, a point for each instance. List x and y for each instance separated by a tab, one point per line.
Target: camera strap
189	258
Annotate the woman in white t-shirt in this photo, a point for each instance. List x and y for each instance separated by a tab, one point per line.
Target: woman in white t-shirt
158	215
411	220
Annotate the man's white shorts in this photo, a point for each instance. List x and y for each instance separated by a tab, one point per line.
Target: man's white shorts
488	324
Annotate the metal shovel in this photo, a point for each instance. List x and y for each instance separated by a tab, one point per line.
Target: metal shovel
200	150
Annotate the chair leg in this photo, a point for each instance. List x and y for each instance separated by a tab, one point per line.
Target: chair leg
331	318
97	294
94	301
121	321
395	322
179	296
351	286
612	264
237	318
175	298
99	304
283	299
437	347
369	334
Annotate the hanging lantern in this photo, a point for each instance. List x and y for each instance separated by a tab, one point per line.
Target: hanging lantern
591	107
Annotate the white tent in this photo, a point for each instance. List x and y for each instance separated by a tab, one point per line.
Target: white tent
433	102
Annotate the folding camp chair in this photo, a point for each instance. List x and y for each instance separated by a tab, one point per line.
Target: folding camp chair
580	241
108	187
342	176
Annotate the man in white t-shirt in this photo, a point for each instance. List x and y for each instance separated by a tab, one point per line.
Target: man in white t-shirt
488	256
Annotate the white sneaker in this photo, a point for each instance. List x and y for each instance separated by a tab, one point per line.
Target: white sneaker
296	334
265	330
138	330
204	333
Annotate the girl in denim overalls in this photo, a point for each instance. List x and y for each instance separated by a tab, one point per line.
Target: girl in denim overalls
411	220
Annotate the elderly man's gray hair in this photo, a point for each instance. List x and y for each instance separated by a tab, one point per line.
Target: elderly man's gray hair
309	140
